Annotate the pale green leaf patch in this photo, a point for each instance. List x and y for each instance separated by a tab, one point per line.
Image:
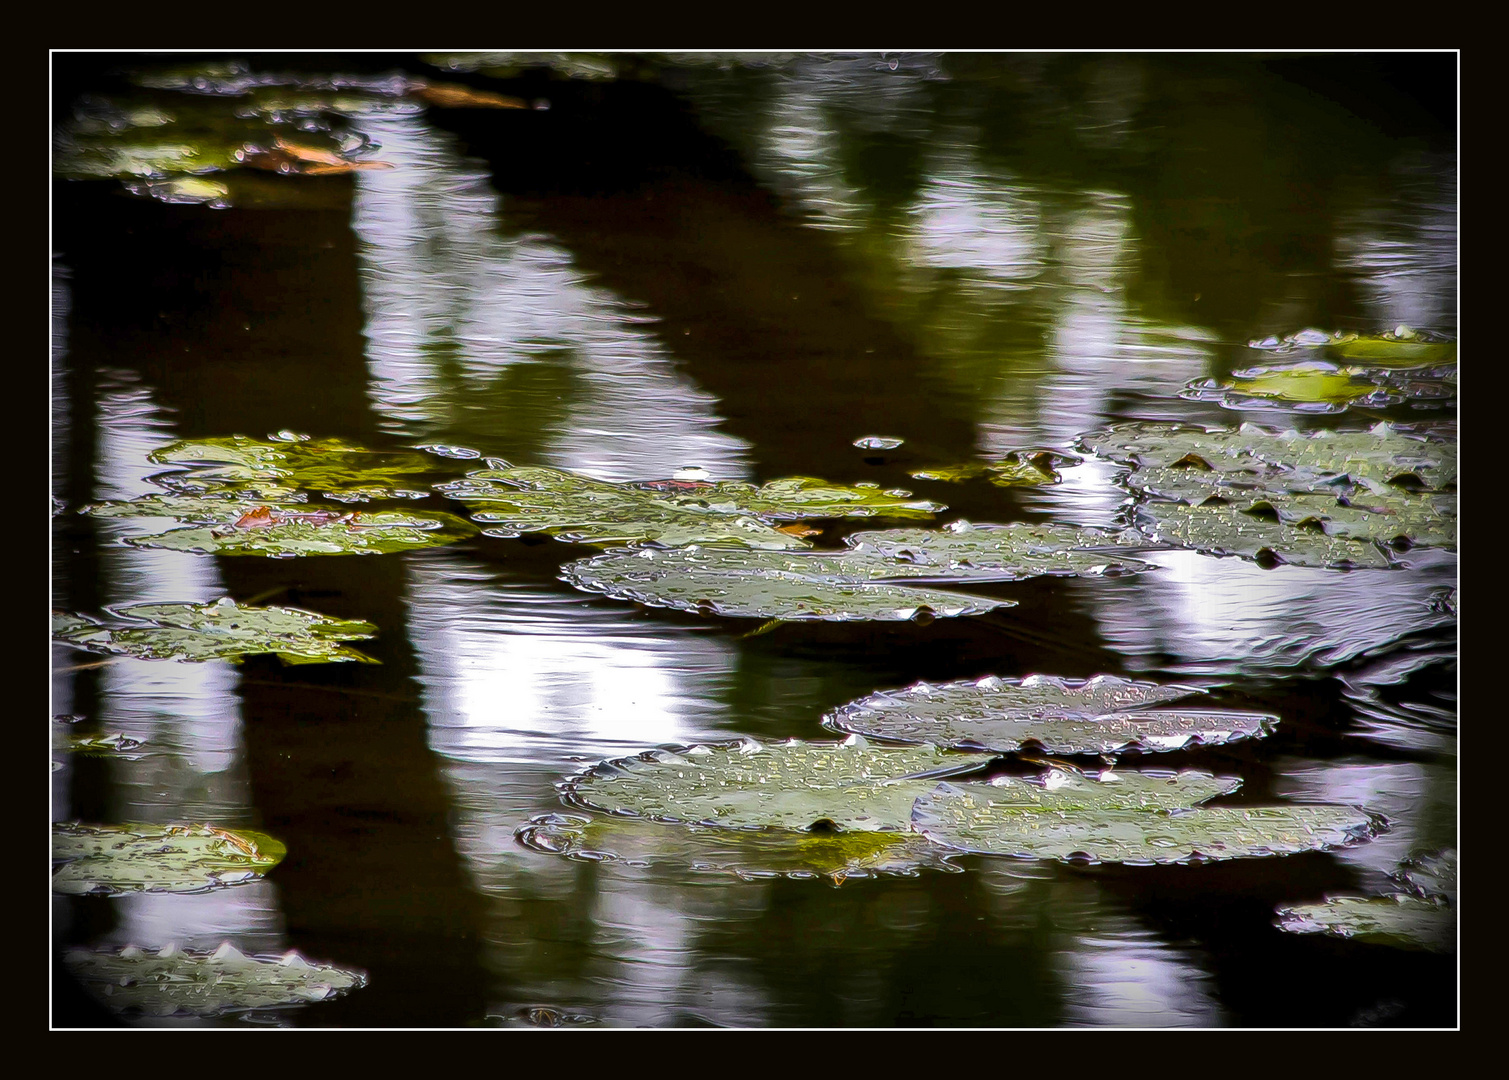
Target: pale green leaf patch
114	859
853	786
223	630
171	981
1126	817
1100	715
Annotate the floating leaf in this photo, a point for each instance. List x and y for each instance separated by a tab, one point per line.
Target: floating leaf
223	630
456	96
1402	346
703	581
1101	715
962	551
848	786
1017	468
113	859
1318	386
342	470
878	442
1401	921
583	510
1230	530
1128	818
747	854
172	981
232	526
1286	460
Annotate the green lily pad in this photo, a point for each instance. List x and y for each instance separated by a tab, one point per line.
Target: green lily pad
851	786
1230	530
1017	469
234	526
1399	920
961	551
341	470
1101	715
1138	818
853	584
223	630
172	981
113	859
1319	386
1402	346
746	854
1422	917
1286	460
580	509
671	513
706	582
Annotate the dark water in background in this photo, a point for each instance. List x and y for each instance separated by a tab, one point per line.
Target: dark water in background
746	267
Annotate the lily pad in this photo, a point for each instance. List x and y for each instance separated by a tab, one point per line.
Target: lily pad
114	859
1322	387
1230	530
1101	715
583	510
341	470
1402	921
231	526
743	853
961	551
1016	469
702	581
223	630
851	786
852	584
1286	460
1402	346
1138	818
172	981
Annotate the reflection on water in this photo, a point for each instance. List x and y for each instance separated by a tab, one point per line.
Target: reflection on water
1049	245
497	342
1219	615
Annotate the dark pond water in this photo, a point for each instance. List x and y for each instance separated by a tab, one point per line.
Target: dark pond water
743	264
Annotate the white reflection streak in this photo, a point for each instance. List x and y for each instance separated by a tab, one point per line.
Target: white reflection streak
1130	980
1405	259
187	715
988	226
61	698
514	672
437	272
1212	611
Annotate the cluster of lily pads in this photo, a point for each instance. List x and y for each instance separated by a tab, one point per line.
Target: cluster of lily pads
221	135
1325	498
115	860
1330	373
926	776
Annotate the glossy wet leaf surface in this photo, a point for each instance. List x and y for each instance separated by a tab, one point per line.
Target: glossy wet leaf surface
1127	818
1288	460
112	859
1101	715
337	468
1320	387
1403	346
1230	530
962	551
667	512
741	853
172	981
1020	468
230	526
1399	920
223	630
851	786
703	582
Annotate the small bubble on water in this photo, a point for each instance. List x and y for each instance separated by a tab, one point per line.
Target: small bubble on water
444	450
878	442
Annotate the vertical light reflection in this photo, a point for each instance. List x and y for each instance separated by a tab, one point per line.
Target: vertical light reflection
1403	252
1419	799
499	342
1214	615
1123	976
61	695
187	716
